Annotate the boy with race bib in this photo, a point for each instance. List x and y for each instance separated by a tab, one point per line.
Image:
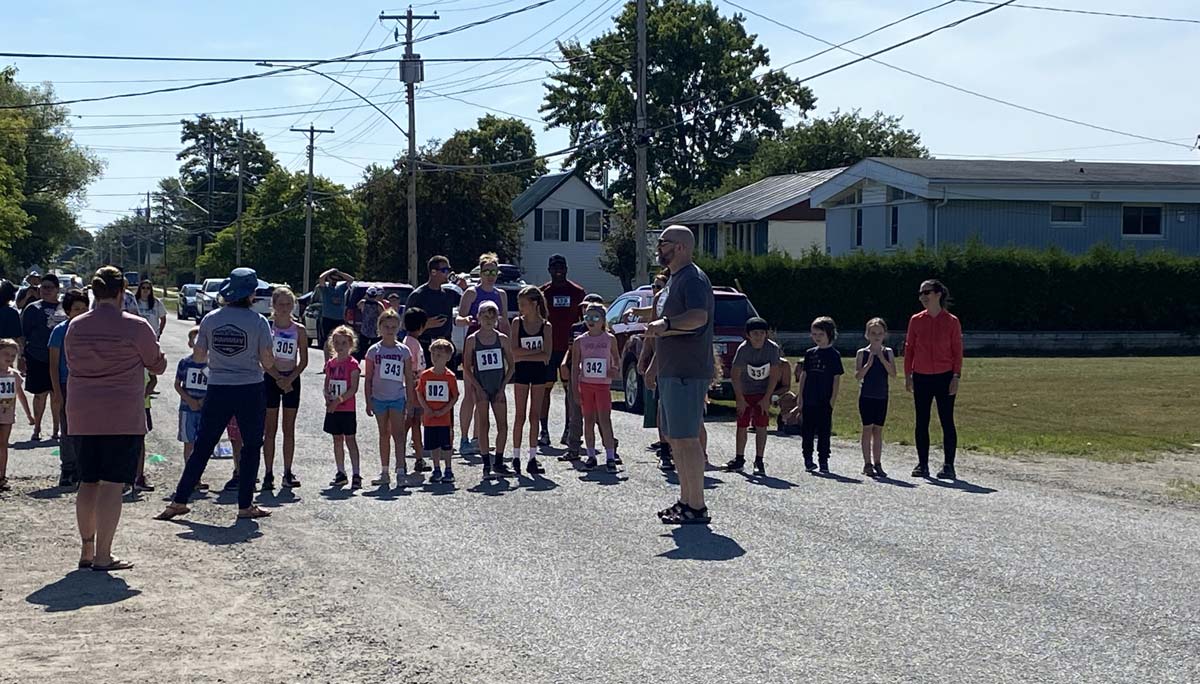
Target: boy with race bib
191	384
437	392
487	368
593	368
755	371
389	384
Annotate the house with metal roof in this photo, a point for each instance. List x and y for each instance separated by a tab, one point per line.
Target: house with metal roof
561	213
881	204
772	214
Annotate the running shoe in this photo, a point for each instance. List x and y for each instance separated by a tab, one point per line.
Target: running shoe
611	465
947	473
356	482
535	468
421	466
617	458
921	470
448	477
665	462
66	480
339	480
571	455
736	464
383	479
231	486
268	482
760	468
563	440
544	438
823	465
808	464
289	480
878	468
436	476
590	463
868	470
501	467
465	448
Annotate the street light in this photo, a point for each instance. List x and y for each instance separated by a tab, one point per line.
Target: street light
352	90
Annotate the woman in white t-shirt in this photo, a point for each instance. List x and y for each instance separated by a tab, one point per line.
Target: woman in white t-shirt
150	307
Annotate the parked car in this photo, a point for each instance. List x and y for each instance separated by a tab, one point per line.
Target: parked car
308	310
188	307
732	309
262	298
206	300
132	278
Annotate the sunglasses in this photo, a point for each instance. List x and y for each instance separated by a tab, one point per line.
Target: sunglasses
490	272
443	269
662	242
925	293
593	318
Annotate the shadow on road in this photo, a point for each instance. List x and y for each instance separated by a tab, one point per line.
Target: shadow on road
242	531
51	493
961	485
537	483
80	589
29	444
337	493
768	481
386	493
286	495
493	487
699	542
672	477
895	483
836	478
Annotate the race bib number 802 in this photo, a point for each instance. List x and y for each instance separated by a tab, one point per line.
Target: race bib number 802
437	390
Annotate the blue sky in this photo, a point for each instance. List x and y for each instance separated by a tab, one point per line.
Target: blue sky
1127	74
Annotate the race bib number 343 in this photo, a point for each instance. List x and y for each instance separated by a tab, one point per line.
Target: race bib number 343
391	369
8	388
437	390
488	360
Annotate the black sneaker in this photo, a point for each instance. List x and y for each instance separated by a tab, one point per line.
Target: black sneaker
448	477
571	455
760	468
590	463
665	462
823	465
809	465
339	480
617	458
868	470
66	480
947	473
611	465
544	438
487	469
501	468
141	485
656	446
268	482
231	486
736	464
421	466
921	471
878	470
535	468
356	482
516	466
290	481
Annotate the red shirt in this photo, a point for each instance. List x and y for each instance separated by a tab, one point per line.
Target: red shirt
438	389
934	344
563	302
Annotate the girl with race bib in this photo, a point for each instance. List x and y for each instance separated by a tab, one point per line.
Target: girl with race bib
389	383
487	368
341	419
11	391
873	365
289	346
594	365
531	349
468	317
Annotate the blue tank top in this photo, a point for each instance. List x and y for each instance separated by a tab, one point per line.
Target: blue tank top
482	296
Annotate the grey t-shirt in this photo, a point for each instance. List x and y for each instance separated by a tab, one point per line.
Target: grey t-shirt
756	365
689	355
235	338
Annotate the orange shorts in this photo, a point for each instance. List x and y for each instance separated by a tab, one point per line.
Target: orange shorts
594	398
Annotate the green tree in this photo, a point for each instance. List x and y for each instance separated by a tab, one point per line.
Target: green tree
619	256
273	231
701	91
55	171
13	218
840	139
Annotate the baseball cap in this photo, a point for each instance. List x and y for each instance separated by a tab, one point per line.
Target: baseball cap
756	323
241	283
372	291
557	260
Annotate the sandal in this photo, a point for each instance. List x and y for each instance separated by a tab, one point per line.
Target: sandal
252	512
675	509
114	564
84	563
172	511
689	516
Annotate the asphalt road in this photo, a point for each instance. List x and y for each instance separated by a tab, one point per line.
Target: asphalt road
570	577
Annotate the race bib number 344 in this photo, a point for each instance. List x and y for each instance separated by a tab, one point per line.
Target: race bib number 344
532	343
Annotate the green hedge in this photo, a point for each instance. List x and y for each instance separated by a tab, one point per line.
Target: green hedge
992	289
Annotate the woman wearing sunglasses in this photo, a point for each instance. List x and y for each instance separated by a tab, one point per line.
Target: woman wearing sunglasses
933	355
468	316
150	307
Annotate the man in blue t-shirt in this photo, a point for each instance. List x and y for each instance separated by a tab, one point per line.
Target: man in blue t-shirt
74	302
331	290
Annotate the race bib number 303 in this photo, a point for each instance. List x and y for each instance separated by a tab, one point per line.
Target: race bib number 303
531	343
437	390
284	348
489	360
8	388
197	379
759	372
595	368
391	369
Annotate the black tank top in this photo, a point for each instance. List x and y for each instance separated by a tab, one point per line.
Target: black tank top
534	343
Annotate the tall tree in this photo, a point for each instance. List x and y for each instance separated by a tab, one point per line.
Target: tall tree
56	171
701	92
273	231
840	139
13	218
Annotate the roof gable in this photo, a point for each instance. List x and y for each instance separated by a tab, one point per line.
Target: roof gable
757	200
543	188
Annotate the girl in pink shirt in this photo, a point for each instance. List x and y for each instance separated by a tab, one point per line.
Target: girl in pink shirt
594	364
341	386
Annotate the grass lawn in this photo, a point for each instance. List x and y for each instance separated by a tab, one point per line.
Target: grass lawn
1108	409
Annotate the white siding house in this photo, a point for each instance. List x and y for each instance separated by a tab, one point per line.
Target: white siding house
562	213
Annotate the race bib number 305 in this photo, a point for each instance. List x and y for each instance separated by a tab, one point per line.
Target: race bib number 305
437	390
8	388
595	368
391	369
337	388
759	372
488	360
560	301
531	343
197	379
284	348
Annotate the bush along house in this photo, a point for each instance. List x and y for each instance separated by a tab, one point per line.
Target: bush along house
881	204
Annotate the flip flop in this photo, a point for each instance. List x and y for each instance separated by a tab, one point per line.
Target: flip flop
84	564
172	512
254	512
116	564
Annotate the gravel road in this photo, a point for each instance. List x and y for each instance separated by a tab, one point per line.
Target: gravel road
571	578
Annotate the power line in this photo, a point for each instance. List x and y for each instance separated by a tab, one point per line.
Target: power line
1068	10
1007	103
481	22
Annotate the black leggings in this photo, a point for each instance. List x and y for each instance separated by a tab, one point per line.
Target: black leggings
927	388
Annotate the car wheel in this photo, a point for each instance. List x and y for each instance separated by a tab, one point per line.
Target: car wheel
633	388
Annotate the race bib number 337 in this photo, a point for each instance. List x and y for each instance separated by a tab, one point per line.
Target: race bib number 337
759	372
8	388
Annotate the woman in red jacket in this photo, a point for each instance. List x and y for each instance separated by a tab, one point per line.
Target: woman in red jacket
933	355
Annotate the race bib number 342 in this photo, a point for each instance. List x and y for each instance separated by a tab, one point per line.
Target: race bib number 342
595	368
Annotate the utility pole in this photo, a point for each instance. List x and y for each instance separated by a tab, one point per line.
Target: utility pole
308	204
208	202
412	72
641	142
241	173
150	232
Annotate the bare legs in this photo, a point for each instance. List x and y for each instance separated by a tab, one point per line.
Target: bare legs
97	512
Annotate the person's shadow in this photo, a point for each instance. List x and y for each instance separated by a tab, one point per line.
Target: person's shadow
82	588
241	532
699	542
960	485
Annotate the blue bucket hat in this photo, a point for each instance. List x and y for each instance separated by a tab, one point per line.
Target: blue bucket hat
241	283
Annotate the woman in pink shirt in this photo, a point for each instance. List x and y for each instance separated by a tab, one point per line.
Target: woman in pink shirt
108	351
932	367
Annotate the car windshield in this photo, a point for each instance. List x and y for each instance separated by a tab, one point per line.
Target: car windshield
190	289
212	287
732	312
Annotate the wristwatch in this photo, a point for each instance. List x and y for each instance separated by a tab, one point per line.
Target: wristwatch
667	320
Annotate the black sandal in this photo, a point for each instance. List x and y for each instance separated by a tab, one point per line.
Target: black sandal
689	516
675	509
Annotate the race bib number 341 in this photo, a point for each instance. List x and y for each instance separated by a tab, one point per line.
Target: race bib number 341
337	388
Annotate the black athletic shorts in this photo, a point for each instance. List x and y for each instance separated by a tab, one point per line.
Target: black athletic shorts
529	373
872	411
108	458
37	376
438	437
341	423
275	396
556	359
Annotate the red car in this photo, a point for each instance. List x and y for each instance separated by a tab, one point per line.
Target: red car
733	308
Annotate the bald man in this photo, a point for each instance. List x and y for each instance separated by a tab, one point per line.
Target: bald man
683	336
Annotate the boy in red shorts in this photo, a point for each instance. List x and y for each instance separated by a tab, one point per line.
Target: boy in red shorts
755	375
